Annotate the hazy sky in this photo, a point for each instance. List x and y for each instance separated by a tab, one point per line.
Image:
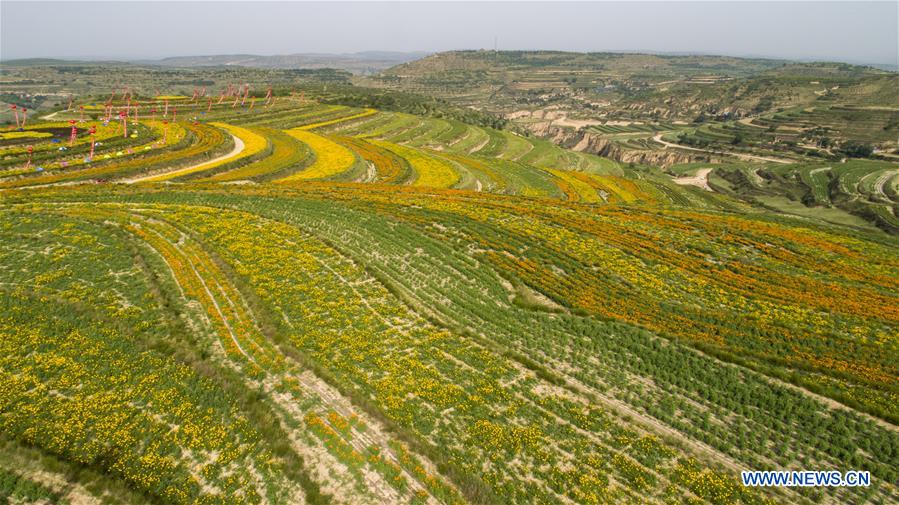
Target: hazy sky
843	31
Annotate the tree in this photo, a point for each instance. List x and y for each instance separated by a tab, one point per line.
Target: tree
857	150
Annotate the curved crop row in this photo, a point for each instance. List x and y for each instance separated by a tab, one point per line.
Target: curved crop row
430	171
202	141
54	154
253	144
576	189
287	153
331	122
389	167
331	158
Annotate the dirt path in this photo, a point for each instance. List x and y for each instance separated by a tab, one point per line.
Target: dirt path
742	156
209	293
701	179
522	155
658	138
748	122
479	146
460	139
370	173
648	423
881	182
238	148
38	186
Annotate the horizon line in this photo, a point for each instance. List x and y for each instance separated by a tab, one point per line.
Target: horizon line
426	53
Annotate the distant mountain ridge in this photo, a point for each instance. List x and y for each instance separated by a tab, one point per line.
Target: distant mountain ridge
358	63
366	62
56	62
649	66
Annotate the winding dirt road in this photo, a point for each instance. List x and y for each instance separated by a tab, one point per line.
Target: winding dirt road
742	156
238	148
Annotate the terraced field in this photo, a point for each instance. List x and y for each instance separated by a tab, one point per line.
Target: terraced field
801	134
868	189
306	302
298	140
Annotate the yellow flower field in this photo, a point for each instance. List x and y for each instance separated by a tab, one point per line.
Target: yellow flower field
432	172
365	113
331	158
